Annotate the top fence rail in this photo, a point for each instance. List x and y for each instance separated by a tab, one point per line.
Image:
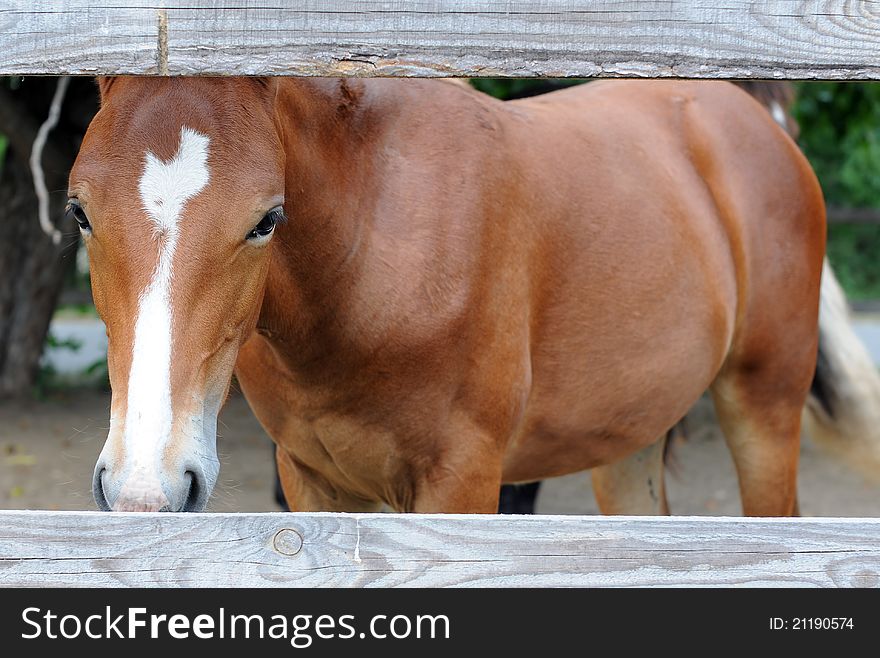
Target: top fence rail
819	39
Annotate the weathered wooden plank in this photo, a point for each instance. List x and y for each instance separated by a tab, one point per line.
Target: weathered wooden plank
58	36
95	549
829	39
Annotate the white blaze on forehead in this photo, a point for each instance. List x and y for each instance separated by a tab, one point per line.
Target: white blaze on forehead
165	187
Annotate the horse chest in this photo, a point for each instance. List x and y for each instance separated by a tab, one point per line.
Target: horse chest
351	453
355	457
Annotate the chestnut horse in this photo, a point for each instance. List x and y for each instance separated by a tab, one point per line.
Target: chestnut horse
425	292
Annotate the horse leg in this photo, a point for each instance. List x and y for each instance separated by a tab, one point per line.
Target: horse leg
308	491
762	425
633	485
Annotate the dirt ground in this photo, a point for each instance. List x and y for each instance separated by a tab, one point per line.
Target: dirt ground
48	450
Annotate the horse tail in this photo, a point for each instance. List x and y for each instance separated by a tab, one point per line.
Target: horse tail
842	413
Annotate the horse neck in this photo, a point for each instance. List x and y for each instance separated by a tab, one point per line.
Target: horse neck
325	131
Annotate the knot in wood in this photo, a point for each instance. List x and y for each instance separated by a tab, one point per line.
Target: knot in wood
287	541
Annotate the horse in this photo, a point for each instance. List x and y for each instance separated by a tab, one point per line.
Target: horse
424	292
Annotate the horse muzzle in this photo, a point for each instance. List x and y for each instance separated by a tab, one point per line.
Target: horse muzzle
184	488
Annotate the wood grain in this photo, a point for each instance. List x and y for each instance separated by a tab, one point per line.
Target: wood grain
59	36
77	549
827	39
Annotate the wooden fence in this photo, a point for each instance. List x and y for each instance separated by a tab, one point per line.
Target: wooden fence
382	550
834	39
829	39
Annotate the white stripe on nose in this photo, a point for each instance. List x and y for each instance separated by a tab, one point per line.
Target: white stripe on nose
165	187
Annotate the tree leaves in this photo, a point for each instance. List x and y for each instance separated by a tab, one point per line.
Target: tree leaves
840	134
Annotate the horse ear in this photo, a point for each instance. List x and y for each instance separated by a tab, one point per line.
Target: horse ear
104	84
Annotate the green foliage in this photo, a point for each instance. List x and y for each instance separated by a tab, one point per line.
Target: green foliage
98	371
66	344
854	250
47	378
840	134
3	144
50	381
46	382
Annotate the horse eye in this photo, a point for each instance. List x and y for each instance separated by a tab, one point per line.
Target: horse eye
267	224
74	209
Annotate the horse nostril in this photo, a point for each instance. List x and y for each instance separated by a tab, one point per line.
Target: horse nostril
194	502
98	490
